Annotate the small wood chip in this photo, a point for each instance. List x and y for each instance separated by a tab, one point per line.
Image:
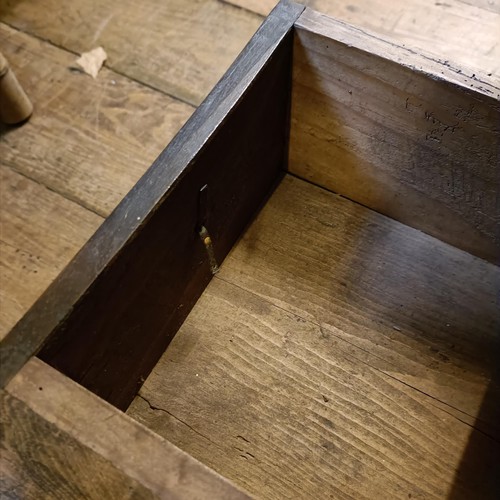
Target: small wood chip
91	62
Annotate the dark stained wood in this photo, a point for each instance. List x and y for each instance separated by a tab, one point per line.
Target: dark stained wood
118	304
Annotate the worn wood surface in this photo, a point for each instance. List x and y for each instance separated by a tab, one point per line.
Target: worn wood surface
398	132
181	48
89	140
463	32
444	19
105	177
84	148
60	441
40	232
38	460
337	352
147	263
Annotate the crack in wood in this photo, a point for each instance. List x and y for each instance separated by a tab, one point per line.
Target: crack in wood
156	408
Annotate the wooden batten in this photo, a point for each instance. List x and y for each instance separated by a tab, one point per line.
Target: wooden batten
88	448
399	132
115	308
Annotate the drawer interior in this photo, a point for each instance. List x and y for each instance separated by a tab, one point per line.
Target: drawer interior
347	190
336	350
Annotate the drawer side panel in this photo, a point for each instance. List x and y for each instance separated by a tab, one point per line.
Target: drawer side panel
397	131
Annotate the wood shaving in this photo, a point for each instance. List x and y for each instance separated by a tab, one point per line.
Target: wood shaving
91	62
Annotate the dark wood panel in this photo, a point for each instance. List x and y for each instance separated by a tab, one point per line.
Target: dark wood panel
121	300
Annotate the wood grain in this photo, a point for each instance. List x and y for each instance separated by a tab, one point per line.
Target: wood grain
38	461
419	309
398	132
464	32
63	442
184	50
132	285
338	353
89	140
40	232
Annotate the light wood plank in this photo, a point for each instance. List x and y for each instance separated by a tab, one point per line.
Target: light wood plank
337	352
464	32
398	132
90	140
103	440
39	461
179	47
421	310
40	231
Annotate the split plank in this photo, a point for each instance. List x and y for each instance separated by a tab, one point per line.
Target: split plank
340	352
464	32
398	132
179	47
90	140
65	442
40	231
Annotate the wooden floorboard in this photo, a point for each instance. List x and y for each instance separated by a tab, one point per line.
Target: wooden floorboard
179	47
461	32
86	145
182	48
40	232
89	140
336	351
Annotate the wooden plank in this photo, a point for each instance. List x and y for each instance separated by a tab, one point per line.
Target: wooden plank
40	461
89	140
491	5
337	351
181	48
262	7
464	32
144	269
40	232
422	311
398	132
62	441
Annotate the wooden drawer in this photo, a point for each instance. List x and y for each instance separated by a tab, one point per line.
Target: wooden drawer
322	239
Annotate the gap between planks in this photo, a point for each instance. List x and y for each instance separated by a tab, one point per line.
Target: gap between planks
108	67
184	51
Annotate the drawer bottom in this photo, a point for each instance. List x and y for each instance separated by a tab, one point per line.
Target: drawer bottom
337	352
